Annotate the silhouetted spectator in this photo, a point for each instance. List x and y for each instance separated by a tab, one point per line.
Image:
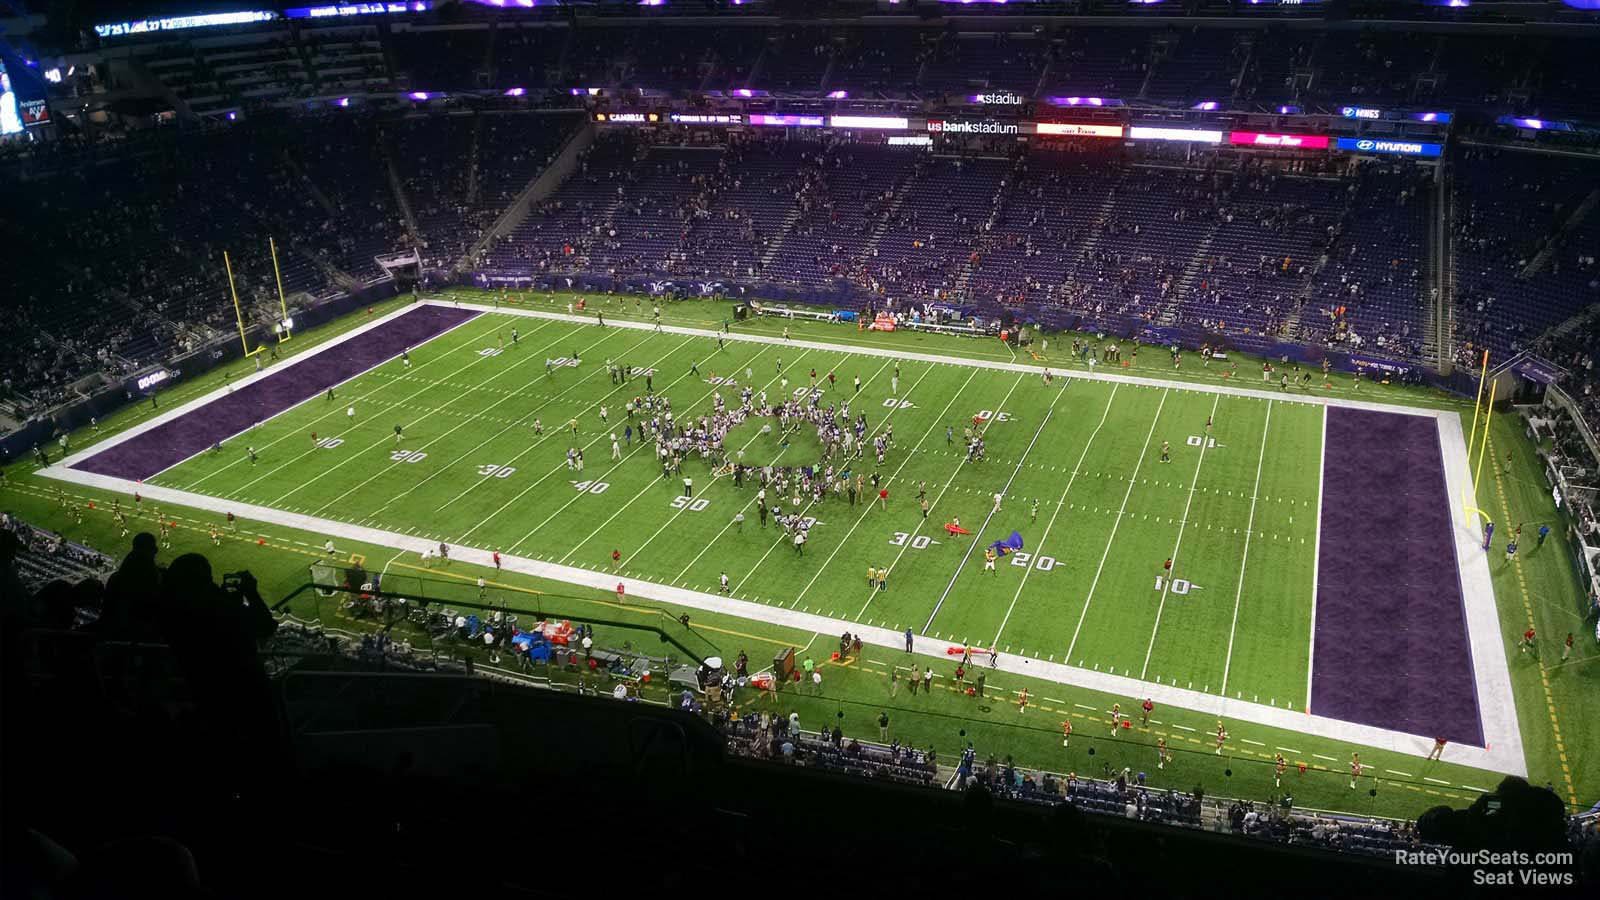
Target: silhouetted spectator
213	632
132	605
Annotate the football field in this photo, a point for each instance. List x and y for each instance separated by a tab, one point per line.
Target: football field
1106	481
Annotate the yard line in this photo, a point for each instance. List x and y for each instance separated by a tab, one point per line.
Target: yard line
893	564
1436	781
520	494
429	386
802	511
1054	514
466	421
362	398
1398	772
938	420
977	536
887	416
515	423
780	539
1133	479
380	441
653	484
1244	559
1328	758
1287	749
1316	556
1248	741
1178	544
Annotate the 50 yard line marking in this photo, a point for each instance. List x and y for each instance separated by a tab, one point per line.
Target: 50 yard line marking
874	433
780	540
1244	559
1133	479
559	466
1178	544
978	535
655	484
1055	513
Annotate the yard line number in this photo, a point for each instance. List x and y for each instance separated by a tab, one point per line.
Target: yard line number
1040	563
696	504
984	415
494	471
920	542
1020	560
408	456
591	487
1179	586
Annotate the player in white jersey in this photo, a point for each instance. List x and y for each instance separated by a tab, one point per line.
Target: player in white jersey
616	448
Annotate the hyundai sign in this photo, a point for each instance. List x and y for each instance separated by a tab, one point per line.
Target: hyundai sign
1390	146
1287	141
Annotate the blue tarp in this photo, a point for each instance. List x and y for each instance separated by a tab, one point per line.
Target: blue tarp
1008	545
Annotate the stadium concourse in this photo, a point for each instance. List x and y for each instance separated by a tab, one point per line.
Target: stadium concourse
301	277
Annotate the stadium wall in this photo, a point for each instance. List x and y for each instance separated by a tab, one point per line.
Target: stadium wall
843	295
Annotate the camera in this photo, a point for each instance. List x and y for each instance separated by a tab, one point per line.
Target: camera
238	582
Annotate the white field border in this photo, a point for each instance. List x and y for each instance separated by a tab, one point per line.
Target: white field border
1503	751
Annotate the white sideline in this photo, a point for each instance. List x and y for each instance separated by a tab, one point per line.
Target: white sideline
1503	753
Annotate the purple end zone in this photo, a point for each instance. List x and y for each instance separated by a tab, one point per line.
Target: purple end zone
1391	645
173	442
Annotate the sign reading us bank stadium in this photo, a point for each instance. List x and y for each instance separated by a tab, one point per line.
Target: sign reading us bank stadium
973	126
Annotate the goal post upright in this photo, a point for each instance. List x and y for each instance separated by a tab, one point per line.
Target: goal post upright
283	305
238	314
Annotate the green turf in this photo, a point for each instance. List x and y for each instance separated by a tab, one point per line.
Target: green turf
490	401
472	470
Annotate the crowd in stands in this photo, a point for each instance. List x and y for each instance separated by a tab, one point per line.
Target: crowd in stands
1232	246
130	235
1525	240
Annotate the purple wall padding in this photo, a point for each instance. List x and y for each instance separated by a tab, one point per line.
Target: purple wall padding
1391	646
172	442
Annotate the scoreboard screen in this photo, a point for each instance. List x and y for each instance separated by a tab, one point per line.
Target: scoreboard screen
10	115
